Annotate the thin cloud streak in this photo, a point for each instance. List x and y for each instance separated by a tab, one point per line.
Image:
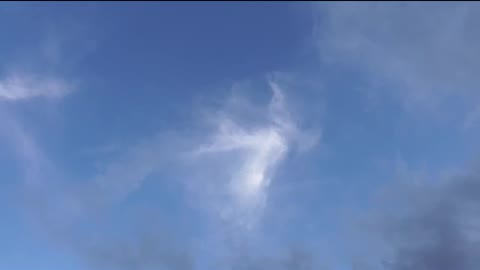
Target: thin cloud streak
16	87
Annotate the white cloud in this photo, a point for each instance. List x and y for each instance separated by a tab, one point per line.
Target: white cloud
235	186
25	148
261	148
423	58
246	157
16	87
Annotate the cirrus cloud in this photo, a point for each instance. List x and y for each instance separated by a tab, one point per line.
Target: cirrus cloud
424	60
21	86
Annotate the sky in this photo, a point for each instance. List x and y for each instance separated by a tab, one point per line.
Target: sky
239	136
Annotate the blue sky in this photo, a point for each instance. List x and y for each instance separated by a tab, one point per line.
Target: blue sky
239	136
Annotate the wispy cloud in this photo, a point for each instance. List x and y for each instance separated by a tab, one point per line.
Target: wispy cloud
20	86
424	60
260	147
62	209
27	152
249	152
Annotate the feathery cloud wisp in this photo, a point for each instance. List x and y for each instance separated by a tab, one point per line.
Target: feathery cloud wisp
15	87
423	60
256	148
261	149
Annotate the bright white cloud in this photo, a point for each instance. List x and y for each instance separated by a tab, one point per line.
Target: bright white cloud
15	87
261	148
246	156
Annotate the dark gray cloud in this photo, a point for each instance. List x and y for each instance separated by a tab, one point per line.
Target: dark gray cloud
432	226
135	239
146	250
293	258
